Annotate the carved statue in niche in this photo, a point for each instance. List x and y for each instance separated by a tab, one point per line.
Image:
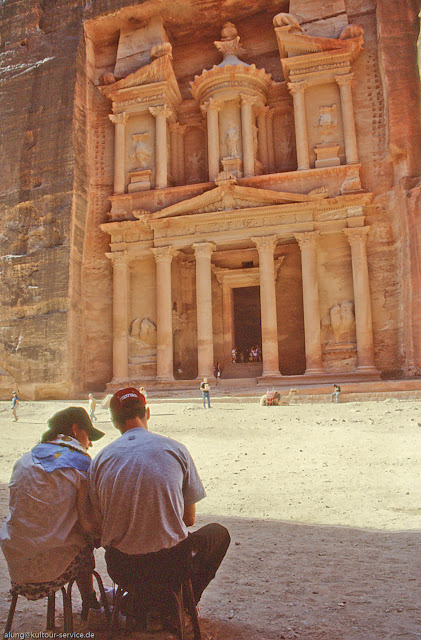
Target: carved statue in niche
255	140
195	164
338	326
144	331
327	122
231	140
142	152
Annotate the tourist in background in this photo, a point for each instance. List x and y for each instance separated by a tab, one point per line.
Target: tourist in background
335	393
92	406
205	389
15	402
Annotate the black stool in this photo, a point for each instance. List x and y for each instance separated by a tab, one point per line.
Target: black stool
67	606
182	596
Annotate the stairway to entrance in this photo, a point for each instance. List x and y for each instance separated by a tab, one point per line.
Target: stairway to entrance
242	370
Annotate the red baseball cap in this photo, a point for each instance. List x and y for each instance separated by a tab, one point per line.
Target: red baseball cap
122	396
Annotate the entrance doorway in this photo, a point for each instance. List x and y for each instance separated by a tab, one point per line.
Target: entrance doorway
247	325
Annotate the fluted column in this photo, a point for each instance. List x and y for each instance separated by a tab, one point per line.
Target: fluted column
348	118
247	133
212	107
271	141
301	135
120	314
161	113
307	242
270	354
357	238
262	137
119	120
203	252
164	348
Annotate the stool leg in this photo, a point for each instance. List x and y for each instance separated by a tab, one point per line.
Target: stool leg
178	598
116	611
11	613
103	596
51	611
191	608
67	607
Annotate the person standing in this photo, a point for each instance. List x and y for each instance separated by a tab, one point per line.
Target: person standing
144	488
92	406
14	407
205	389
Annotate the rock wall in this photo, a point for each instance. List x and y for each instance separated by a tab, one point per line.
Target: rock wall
55	281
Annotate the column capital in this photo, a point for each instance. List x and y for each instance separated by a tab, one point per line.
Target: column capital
119	118
357	235
118	258
263	243
307	238
161	110
176	127
345	79
164	254
263	110
297	87
247	99
211	105
203	248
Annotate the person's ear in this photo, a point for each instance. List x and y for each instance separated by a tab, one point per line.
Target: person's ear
148	412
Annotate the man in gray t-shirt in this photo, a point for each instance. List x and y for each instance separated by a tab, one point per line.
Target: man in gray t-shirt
144	488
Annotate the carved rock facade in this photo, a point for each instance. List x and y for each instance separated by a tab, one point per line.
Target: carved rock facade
182	196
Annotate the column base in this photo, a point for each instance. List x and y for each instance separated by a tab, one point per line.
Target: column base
316	371
271	374
368	370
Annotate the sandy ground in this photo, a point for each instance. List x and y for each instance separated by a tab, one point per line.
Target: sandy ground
323	503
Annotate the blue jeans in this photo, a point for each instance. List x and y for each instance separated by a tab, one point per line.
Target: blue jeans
205	394
335	393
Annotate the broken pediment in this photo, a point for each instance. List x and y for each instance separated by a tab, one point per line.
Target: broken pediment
160	70
231	196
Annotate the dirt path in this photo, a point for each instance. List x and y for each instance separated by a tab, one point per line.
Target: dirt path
323	503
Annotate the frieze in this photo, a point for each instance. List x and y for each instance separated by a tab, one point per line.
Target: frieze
153	98
319	67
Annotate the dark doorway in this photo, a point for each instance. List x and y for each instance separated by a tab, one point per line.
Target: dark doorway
247	327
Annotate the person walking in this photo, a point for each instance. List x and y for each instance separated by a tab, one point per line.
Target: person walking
205	389
92	406
14	407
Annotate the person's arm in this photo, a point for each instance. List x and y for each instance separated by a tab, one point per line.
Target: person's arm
87	516
189	515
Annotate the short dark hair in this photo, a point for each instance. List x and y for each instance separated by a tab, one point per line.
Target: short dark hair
129	410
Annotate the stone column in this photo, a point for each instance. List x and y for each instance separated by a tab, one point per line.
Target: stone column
271	141
262	137
313	346
203	252
164	337
212	107
247	134
270	355
161	113
301	135
348	119
120	314
119	120
177	132
180	153
357	238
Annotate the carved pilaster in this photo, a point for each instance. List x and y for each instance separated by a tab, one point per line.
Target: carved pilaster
119	120
247	103
297	90
161	113
211	107
350	136
308	245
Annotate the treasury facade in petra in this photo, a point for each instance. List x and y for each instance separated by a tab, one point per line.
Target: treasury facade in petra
241	188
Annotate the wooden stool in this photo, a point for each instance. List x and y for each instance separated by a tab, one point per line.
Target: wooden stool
67	606
182	597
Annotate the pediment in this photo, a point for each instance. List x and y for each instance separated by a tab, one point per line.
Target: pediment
230	197
159	70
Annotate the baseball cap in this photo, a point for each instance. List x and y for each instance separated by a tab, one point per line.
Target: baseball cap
61	422
123	396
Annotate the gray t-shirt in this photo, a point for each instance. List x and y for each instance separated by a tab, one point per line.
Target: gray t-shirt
139	484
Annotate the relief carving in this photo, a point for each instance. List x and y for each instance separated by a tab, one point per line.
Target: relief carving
195	165
232	137
144	332
287	20
327	121
142	152
338	326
